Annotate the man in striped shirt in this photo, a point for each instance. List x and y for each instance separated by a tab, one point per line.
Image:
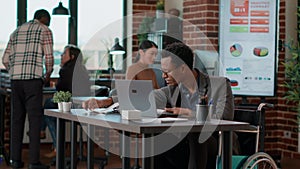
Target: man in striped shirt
29	47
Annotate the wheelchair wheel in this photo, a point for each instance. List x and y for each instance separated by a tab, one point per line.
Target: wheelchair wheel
260	160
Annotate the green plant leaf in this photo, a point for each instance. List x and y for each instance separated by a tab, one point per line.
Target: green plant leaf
292	75
62	96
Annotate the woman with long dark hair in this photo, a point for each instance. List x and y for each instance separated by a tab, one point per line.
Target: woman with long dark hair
140	70
73	77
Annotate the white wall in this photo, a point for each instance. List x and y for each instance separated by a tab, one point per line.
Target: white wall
291	24
178	4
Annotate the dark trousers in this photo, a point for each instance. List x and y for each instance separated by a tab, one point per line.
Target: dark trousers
27	96
202	155
198	152
189	154
175	158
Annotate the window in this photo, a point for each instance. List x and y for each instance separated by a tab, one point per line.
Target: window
99	23
58	25
8	24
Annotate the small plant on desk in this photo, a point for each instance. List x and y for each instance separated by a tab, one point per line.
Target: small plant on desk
63	100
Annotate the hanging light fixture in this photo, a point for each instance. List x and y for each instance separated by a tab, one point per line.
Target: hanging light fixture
60	10
117	49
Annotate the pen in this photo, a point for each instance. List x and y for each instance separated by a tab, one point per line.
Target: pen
211	101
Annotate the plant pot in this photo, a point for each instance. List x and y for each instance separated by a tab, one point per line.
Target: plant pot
60	106
66	106
160	13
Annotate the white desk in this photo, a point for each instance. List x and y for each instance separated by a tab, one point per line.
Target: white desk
79	100
114	121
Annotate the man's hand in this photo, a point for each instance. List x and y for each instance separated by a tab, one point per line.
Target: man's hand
93	103
46	78
90	104
179	111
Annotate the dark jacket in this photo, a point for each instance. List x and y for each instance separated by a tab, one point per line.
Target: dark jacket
74	77
199	155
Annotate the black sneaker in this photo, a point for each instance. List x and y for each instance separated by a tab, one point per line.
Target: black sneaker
16	164
38	166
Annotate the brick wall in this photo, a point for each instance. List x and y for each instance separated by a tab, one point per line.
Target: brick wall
7	122
204	16
141	9
286	119
201	32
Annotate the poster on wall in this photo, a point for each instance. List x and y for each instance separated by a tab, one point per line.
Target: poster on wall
248	40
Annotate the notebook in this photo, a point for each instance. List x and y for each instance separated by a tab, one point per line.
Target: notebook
138	95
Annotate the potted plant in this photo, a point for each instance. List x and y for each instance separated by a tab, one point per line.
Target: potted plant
292	79
144	28
63	99
160	7
292	73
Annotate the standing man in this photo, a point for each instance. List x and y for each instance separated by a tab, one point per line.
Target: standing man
29	46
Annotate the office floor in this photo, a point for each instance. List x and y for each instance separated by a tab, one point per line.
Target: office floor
113	161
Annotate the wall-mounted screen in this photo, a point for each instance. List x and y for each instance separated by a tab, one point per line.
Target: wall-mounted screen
248	48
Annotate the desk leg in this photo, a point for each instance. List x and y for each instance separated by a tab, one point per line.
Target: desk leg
106	141
90	147
148	151
227	150
73	145
81	157
60	143
125	150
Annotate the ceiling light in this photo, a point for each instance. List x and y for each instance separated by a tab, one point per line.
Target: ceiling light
60	10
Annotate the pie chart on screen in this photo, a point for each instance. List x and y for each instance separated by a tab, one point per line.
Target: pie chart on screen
236	50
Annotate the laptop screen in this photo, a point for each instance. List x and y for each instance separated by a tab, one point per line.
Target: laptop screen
136	95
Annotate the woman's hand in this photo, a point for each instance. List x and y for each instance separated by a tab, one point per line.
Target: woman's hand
93	103
179	111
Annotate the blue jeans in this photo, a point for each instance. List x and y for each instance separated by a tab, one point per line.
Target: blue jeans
50	121
43	125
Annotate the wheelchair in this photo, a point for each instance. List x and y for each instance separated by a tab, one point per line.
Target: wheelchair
255	159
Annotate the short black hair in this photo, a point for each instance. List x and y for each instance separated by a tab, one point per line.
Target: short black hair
180	54
41	13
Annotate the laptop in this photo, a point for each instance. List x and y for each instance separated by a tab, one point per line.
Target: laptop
138	95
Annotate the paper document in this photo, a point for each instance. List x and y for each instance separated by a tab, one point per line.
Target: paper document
164	113
172	119
110	109
161	120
